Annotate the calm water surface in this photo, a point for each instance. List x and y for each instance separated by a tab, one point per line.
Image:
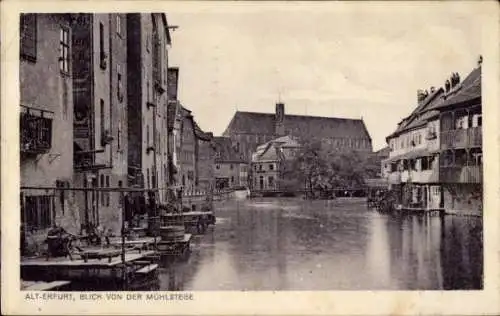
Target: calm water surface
293	244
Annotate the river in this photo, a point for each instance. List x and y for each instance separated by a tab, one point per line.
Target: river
294	244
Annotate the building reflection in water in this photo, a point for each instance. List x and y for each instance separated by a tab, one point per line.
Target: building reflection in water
429	252
378	253
312	245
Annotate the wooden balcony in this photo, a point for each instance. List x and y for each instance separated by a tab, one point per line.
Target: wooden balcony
35	132
85	160
424	176
461	174
462	138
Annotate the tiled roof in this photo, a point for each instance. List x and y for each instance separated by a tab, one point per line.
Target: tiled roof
470	89
274	147
410	155
384	152
200	133
297	125
421	114
224	150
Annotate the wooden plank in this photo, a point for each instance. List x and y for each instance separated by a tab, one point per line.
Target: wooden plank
147	269
45	286
64	262
133	242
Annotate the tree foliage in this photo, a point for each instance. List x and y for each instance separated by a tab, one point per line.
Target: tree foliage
316	168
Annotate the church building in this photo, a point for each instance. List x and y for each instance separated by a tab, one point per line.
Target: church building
247	130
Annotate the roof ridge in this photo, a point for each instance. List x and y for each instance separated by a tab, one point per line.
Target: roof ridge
301	115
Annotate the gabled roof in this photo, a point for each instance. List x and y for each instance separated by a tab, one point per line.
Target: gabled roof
301	126
224	150
200	134
421	114
467	91
273	148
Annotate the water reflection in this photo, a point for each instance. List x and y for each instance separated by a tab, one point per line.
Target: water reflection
292	244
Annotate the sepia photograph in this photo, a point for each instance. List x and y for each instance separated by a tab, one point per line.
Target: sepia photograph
267	147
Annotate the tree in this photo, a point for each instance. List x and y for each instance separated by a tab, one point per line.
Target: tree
319	170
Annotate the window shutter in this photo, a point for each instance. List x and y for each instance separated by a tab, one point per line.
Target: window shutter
28	36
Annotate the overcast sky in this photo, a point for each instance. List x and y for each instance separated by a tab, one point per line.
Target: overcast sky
330	59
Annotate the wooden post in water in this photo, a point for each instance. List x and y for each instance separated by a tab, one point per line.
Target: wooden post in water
124	268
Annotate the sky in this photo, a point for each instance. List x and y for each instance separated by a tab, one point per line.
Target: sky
361	60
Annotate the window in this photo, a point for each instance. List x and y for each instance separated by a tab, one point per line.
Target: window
260	167
103	127
271	182
119	135
28	45
108	194
232	179
148	91
119	24
271	167
103	194
394	167
231	166
424	163
102	53
217	167
36	133
120	83
64	50
478	159
36	211
149	179
477	120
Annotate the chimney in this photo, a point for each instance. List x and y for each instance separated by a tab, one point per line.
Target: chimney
420	96
172	83
279	128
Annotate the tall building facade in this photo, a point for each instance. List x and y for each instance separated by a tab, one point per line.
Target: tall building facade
230	170
46	121
267	163
205	160
147	56
100	109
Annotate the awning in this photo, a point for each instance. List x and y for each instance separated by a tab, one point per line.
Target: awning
410	155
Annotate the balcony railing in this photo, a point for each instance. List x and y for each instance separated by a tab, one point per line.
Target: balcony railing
85	160
462	138
461	174
35	132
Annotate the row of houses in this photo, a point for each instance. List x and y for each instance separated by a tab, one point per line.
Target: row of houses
99	108
435	160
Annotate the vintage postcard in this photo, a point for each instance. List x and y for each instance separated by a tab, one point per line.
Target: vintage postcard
228	157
